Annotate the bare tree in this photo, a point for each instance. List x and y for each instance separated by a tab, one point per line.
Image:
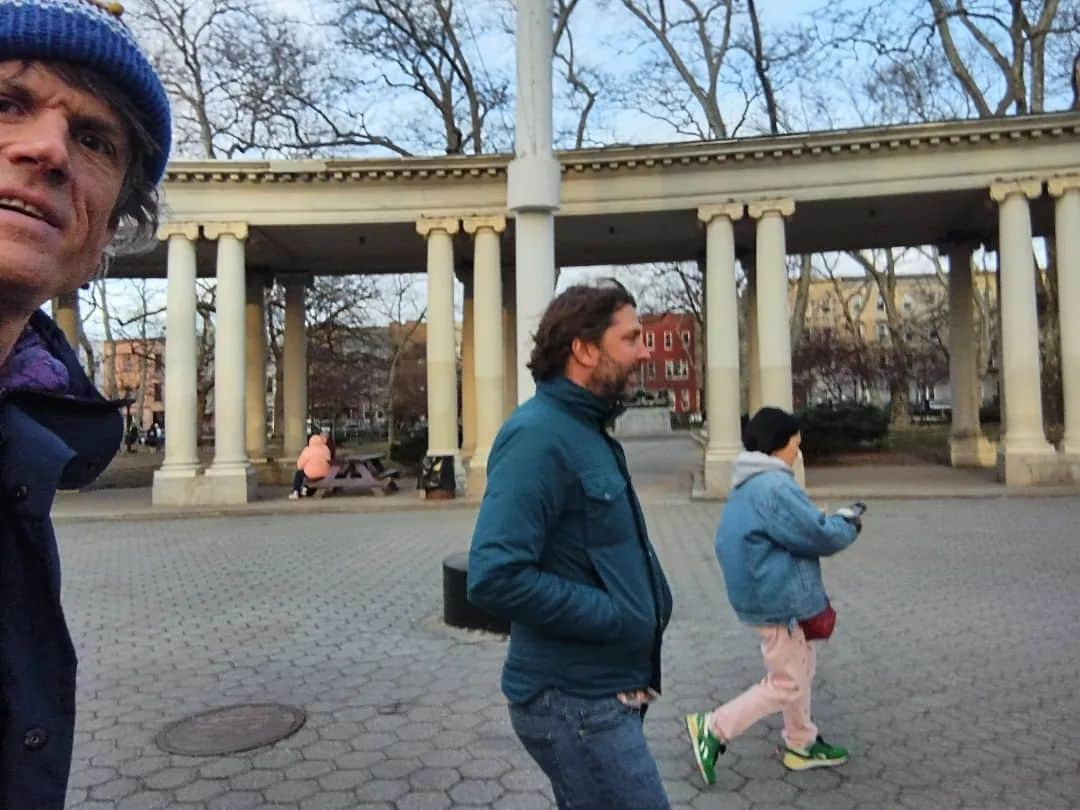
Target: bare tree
246	79
426	53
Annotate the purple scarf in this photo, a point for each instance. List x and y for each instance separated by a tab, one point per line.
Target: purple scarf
32	367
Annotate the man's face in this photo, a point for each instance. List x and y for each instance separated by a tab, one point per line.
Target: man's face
63	155
622	348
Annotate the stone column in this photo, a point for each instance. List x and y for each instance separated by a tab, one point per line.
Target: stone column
967	446
255	380
509	331
753	354
533	179
489	342
231	478
722	389
66	315
468	369
441	361
174	482
1066	190
294	361
773	319
1024	455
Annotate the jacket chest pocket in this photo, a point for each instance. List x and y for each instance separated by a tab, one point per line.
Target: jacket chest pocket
608	516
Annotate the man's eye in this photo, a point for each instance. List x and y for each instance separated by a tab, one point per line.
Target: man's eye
95	143
8	106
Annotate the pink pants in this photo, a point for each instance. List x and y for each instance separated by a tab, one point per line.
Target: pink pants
790	662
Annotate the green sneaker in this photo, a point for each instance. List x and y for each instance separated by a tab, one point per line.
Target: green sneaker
706	747
818	755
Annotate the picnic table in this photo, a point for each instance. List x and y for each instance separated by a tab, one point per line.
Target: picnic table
364	472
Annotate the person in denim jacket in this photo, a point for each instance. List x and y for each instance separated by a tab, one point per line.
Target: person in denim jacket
769	543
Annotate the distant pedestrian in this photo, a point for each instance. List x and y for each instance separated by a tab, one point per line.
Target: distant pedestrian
769	543
561	549
131	438
312	464
153	436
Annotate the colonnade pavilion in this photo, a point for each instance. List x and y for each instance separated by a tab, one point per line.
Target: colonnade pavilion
957	185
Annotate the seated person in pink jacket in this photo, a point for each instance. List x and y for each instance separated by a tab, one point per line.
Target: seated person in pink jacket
313	464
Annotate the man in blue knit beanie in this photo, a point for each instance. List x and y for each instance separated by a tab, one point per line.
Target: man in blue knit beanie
84	139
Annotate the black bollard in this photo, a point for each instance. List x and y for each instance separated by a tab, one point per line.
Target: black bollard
458	611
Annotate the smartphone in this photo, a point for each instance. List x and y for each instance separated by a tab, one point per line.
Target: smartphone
858	508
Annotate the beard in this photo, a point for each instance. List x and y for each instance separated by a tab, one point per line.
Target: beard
609	381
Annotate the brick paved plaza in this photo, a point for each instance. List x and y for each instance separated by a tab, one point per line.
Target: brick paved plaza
953	676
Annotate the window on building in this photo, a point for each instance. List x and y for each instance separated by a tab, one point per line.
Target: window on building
668	342
650	370
856	305
686	339
157	392
909	305
882	332
669	369
650	340
880	304
826	307
682	369
686	399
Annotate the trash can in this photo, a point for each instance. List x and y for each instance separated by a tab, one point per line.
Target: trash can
458	611
436	477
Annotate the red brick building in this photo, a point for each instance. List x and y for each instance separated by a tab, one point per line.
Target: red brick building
673	339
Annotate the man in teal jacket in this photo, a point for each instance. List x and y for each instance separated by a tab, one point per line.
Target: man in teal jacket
561	549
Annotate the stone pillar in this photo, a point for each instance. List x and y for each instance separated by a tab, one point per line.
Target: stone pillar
510	353
255	368
441	361
533	179
1024	455
1066	190
174	482
967	446
488	338
468	370
294	361
753	354
66	315
722	387
231	478
773	319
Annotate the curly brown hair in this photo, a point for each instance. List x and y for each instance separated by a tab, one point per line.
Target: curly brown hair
581	312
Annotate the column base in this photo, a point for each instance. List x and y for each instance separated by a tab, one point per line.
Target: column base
972	451
1029	463
230	484
1071	461
476	480
716	482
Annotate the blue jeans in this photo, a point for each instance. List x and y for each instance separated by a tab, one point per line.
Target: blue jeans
593	751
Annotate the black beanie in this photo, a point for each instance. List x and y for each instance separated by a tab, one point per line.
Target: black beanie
769	430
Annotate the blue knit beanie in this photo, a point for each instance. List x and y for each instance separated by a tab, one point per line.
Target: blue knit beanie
89	32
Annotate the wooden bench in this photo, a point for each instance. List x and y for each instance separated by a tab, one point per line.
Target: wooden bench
346	479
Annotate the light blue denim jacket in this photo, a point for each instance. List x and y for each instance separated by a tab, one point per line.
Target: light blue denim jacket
769	540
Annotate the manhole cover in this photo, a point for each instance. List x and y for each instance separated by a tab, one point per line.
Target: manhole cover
231	729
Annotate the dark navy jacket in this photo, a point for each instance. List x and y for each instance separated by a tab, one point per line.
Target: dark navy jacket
561	549
46	442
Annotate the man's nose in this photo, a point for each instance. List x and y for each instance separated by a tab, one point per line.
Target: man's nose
644	352
42	144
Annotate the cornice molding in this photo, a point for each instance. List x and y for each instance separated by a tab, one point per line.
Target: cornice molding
768	149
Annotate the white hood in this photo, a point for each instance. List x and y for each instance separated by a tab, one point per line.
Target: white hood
749	464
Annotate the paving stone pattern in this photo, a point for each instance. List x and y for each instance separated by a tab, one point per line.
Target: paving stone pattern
953	675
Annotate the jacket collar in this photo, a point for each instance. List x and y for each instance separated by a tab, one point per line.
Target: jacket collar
599	411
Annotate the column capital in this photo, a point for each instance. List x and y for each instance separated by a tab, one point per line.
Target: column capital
213	230
1058	186
784	206
426	225
186	229
731	210
472	225
1029	187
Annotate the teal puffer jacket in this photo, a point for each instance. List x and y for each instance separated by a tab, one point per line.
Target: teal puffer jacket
561	549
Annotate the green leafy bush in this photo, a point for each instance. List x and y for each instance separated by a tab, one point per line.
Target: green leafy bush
844	426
